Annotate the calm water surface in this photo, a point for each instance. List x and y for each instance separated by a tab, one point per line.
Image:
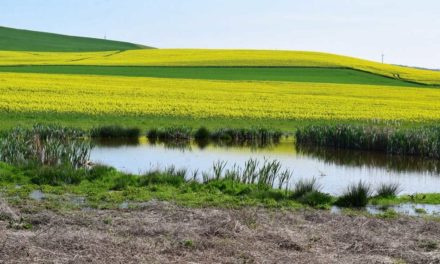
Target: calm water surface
333	169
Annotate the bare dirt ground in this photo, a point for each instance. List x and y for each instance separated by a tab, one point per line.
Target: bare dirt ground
165	233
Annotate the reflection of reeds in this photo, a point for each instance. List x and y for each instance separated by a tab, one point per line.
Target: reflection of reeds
255	138
424	141
116	142
372	159
45	145
169	134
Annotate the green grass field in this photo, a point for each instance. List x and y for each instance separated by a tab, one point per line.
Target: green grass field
26	40
285	74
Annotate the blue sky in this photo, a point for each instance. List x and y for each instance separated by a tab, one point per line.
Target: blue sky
406	31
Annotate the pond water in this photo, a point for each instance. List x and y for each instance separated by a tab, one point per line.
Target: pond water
334	170
404	209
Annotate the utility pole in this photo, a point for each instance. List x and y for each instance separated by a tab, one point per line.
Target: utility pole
383	55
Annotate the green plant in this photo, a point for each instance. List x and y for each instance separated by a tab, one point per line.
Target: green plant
57	175
46	146
156	177
356	195
315	198
202	134
123	181
115	132
428	245
420	211
303	187
388	190
422	141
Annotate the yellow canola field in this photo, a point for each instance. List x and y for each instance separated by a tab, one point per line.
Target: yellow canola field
194	57
203	98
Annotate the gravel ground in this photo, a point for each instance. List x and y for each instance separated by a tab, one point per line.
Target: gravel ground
164	233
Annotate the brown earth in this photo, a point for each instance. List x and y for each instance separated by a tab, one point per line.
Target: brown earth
164	233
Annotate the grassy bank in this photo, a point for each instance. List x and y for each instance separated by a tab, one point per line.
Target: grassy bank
104	187
55	161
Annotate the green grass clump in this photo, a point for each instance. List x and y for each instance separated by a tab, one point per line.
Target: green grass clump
421	141
388	190
115	132
309	192
356	195
171	176
56	175
303	187
316	199
124	181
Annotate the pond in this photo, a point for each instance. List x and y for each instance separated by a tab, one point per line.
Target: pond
334	170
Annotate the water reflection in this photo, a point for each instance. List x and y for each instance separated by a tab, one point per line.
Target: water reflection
372	159
334	169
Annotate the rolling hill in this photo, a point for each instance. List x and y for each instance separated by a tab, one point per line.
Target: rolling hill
25	40
219	59
87	82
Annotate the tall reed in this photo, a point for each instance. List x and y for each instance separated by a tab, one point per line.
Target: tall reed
45	145
267	174
423	141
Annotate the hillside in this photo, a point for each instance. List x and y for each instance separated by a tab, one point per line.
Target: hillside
220	58
25	40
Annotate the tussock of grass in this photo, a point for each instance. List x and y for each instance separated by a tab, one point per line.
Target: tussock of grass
388	190
309	192
303	187
356	195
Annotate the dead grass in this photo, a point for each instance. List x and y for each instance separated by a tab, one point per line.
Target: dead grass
164	233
